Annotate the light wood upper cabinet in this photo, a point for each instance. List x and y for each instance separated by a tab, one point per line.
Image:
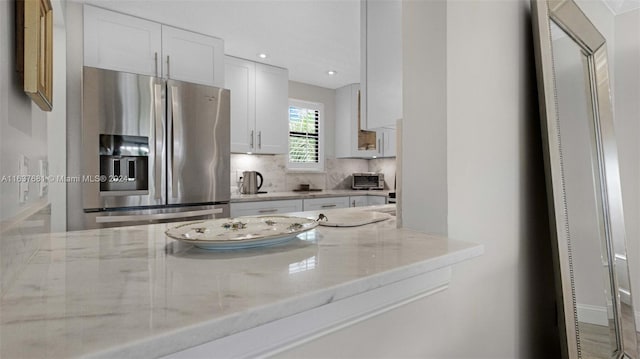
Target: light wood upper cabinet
192	57
381	65
259	106
126	43
120	42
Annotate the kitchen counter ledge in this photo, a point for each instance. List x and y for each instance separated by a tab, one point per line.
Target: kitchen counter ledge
274	196
133	292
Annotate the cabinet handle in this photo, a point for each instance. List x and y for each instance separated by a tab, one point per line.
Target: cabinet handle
260	139
155	60
168	66
251	139
328	205
272	210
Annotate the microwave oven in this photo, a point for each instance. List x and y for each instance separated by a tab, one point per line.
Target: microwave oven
367	180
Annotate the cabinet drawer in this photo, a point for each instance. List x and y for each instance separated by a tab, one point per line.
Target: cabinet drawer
265	208
314	204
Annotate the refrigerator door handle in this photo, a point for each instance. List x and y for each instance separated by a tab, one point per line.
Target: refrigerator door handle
159	139
176	131
157	216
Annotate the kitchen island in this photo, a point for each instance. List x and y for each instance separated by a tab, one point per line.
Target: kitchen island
133	292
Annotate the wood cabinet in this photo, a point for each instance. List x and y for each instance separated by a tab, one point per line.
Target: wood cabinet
126	43
259	106
381	62
314	204
351	140
265	207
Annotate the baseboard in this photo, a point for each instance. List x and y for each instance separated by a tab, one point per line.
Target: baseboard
593	314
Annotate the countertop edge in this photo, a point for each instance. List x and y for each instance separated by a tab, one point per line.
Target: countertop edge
275	196
204	332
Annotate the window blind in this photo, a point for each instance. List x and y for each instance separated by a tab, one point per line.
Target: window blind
303	135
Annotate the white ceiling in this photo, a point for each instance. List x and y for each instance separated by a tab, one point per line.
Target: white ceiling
308	37
621	6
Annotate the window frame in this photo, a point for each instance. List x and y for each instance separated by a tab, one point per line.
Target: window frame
307	167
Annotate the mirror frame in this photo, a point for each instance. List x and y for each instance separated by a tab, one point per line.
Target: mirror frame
568	16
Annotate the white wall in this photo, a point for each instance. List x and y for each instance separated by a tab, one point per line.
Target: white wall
424	128
627	126
27	130
500	305
306	92
23	126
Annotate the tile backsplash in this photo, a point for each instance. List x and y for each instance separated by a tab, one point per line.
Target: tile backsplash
337	173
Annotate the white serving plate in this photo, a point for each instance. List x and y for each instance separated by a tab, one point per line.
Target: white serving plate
351	218
245	232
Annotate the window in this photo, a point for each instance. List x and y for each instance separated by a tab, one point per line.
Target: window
306	143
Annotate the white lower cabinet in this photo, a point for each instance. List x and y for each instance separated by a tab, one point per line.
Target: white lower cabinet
362	201
314	204
377	200
265	207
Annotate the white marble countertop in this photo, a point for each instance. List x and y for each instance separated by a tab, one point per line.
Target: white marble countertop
273	196
133	292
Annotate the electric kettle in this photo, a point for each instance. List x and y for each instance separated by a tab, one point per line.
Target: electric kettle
250	182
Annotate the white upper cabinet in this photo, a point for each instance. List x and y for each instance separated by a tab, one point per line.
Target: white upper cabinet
120	42
126	43
350	141
272	109
387	142
192	57
259	106
240	77
381	65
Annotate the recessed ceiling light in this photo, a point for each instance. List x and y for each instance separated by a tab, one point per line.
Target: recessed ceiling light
331	72
262	55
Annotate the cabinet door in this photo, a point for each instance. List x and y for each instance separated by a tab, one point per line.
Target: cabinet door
240	78
314	204
192	57
272	109
376	200
120	42
381	66
348	114
265	207
389	143
358	201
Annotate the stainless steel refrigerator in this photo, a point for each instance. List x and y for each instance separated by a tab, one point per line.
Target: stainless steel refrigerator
153	149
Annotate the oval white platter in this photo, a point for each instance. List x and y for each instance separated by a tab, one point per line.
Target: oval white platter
245	232
349	218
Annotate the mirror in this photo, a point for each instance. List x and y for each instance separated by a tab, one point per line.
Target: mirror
583	184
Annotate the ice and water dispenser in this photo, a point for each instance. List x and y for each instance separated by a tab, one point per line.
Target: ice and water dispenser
124	162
